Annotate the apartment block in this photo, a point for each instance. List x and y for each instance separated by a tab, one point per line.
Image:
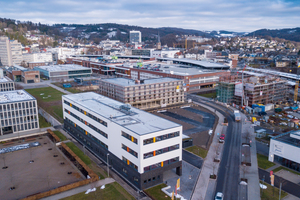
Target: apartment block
138	145
5	52
18	111
16	52
144	94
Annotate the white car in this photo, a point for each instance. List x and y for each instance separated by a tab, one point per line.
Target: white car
219	196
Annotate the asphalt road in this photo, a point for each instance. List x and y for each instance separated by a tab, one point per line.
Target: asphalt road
228	177
192	159
287	186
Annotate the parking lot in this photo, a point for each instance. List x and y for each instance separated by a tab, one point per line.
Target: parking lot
196	122
49	170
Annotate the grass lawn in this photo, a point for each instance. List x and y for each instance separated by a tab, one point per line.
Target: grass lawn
286	169
198	151
79	153
263	162
61	136
43	123
46	91
111	191
52	104
267	194
156	193
209	95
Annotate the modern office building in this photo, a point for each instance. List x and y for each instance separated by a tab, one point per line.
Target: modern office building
63	72
136	144
135	36
18	111
284	149
144	94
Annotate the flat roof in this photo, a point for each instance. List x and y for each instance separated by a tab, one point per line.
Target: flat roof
135	120
15	96
203	64
67	67
181	70
129	82
286	138
5	79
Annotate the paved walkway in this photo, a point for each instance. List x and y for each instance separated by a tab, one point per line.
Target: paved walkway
59	89
273	167
83	188
205	188
251	172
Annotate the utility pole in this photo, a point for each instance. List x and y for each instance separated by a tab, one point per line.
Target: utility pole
280	190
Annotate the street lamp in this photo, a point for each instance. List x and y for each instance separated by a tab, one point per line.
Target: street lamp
107	164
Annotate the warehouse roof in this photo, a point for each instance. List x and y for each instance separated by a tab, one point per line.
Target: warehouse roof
68	67
196	63
135	120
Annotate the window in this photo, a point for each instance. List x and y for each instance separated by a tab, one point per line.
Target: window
129	137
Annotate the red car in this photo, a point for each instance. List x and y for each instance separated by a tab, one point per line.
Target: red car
222	137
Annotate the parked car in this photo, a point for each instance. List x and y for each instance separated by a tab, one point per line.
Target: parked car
222	138
219	196
262	113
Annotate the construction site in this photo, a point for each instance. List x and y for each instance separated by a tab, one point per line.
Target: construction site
252	89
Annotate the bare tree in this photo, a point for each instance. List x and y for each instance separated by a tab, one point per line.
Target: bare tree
247	136
245	170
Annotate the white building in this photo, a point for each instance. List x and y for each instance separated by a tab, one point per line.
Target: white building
18	112
38	57
6	84
165	53
5	52
284	149
16	52
138	145
135	36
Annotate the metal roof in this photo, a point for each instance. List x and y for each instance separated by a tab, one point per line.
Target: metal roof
203	64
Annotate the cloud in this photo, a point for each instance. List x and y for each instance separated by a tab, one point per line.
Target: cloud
234	15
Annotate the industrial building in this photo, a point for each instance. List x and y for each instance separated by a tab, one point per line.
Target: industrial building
196	77
138	145
63	72
144	94
21	74
18	111
284	148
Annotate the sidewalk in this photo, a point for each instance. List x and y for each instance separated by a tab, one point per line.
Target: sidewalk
59	89
83	188
251	172
202	191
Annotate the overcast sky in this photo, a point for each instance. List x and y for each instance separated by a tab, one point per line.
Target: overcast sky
232	15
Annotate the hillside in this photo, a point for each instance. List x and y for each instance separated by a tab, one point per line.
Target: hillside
292	34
